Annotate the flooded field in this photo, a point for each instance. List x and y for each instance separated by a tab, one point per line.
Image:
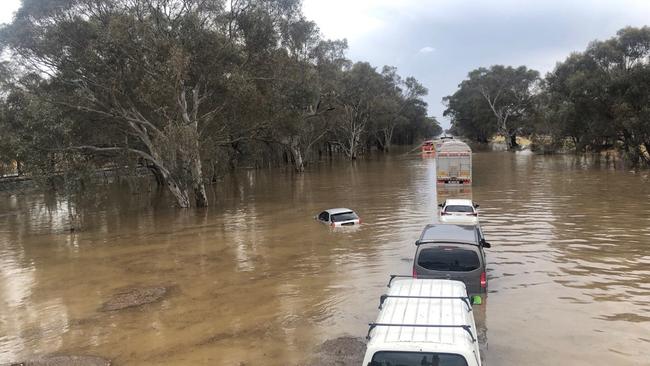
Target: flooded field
254	280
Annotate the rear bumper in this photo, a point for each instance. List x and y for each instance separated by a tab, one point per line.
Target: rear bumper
346	223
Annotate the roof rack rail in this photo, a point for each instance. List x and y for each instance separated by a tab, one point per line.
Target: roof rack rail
464	299
450	241
393	276
466	328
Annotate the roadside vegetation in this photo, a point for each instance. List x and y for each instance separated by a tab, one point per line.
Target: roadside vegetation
595	100
189	90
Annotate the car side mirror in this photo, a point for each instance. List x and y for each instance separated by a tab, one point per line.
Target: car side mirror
485	244
476	205
440	205
417	242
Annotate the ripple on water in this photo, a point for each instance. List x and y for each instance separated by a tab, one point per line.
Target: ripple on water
569	261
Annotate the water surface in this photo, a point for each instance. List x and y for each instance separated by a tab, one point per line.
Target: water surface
256	281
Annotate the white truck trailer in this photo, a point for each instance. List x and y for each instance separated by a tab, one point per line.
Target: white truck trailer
454	163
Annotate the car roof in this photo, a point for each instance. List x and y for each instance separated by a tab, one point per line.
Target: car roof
449	232
425	311
334	211
459	202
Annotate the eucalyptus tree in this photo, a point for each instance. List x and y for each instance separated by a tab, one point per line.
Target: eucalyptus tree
29	128
470	115
398	95
360	91
417	124
152	77
623	74
572	104
507	92
299	97
600	97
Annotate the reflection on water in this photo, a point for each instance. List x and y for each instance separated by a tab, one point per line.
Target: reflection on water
256	281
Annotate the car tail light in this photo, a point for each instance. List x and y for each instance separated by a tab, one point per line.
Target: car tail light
415	273
359	220
483	280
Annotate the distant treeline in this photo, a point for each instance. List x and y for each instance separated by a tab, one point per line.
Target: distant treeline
189	89
594	100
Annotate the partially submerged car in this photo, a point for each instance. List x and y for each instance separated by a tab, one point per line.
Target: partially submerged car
454	252
458	207
428	148
337	217
424	322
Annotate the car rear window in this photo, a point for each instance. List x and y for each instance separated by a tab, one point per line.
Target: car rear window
449	258
346	216
416	359
458	208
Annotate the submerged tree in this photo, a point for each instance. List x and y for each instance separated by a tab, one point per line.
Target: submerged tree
361	88
506	91
599	98
186	87
399	95
151	75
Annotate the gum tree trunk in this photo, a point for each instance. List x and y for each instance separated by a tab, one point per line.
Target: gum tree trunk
298	161
200	197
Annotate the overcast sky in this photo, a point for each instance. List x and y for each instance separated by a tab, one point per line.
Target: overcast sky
439	41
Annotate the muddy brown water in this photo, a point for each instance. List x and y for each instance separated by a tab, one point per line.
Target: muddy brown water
255	281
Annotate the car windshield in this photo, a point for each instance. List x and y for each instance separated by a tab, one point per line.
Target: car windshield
459	208
449	258
416	359
345	216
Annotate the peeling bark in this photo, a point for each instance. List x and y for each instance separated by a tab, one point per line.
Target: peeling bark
298	161
182	198
198	185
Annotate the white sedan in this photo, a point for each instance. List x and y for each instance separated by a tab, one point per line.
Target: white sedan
337	217
458	207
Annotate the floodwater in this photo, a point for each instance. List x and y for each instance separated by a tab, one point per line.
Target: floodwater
254	280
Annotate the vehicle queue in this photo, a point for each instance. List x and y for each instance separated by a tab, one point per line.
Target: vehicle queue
426	318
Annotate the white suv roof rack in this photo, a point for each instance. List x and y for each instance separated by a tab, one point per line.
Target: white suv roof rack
413	308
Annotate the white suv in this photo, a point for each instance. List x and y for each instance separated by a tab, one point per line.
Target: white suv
337	217
424	322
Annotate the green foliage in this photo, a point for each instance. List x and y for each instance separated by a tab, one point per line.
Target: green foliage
495	100
179	85
594	100
599	98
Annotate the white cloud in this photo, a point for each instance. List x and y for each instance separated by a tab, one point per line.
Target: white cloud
357	19
427	49
7	10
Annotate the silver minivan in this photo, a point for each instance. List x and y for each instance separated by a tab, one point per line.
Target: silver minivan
454	252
